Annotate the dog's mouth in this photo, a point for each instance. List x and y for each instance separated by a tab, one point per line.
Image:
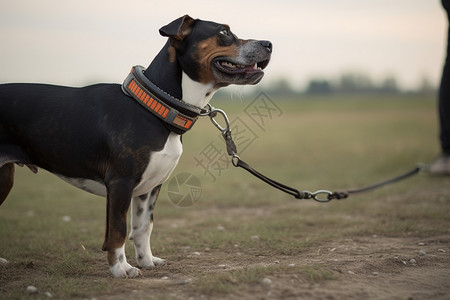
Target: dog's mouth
232	68
245	66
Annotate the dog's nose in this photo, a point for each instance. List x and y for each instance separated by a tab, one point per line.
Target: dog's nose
267	45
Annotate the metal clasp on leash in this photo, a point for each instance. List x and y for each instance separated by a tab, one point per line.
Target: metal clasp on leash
319	195
226	131
212	113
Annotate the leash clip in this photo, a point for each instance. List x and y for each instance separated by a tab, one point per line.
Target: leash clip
226	131
212	113
317	195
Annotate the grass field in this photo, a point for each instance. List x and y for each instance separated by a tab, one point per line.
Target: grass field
241	238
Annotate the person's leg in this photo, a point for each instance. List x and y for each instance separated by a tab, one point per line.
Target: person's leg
442	165
444	96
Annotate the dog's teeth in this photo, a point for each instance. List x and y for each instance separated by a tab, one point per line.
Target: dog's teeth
228	65
255	66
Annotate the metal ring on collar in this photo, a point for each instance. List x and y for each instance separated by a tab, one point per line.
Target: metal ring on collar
213	113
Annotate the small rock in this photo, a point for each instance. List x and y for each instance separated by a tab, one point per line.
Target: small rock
413	261
207	249
375	273
164	278
66	219
48	294
222	266
351	272
31	289
3	261
421	244
422	253
332	249
184	281
441	250
266	281
404	262
30	213
254	238
276	262
220	228
291	265
196	253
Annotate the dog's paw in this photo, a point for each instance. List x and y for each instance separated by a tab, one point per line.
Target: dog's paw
158	261
125	271
133	272
150	261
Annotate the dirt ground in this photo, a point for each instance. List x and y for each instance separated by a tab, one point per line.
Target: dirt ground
366	268
370	267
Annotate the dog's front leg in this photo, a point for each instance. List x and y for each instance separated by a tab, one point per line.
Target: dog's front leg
118	202
141	228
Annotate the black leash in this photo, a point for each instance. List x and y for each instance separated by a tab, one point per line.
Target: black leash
320	195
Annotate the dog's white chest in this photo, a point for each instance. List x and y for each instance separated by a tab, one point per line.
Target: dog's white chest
160	166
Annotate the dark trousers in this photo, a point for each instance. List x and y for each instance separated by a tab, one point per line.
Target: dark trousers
444	94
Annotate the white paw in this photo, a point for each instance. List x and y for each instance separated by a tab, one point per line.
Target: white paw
133	272
145	262
158	261
150	261
125	270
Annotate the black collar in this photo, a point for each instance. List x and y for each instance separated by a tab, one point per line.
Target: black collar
177	114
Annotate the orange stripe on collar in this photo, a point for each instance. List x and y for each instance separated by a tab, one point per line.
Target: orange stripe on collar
134	86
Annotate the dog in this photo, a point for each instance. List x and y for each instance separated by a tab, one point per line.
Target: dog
123	141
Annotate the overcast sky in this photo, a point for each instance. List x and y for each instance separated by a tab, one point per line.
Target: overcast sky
77	42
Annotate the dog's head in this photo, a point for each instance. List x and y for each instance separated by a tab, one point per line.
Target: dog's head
210	53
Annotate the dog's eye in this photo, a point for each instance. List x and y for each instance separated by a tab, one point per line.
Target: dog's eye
224	32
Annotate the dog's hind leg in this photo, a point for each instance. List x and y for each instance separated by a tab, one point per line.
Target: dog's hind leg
118	202
6	180
141	228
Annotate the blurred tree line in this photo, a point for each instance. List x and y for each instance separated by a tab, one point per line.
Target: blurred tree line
347	83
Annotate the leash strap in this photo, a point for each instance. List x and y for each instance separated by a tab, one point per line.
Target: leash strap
405	175
237	162
319	195
138	86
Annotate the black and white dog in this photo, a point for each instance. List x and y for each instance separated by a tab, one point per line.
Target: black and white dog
123	141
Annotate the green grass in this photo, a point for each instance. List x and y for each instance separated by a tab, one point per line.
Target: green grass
317	273
317	143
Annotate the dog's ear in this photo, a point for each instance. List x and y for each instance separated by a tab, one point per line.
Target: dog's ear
178	30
